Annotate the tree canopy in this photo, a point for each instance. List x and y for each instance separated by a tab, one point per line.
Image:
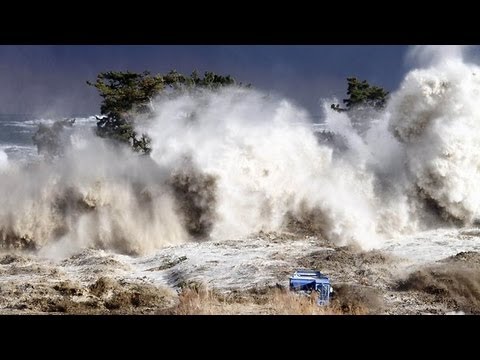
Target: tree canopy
49	139
361	93
127	93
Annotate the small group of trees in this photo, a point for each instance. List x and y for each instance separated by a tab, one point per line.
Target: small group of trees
362	94
362	102
126	94
49	140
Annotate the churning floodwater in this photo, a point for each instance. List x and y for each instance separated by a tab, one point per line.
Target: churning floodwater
230	163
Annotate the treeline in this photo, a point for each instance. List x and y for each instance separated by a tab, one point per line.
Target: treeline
126	95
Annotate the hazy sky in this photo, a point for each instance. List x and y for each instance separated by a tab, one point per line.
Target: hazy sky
51	80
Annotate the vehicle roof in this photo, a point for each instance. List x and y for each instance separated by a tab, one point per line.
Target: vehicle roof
306	272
